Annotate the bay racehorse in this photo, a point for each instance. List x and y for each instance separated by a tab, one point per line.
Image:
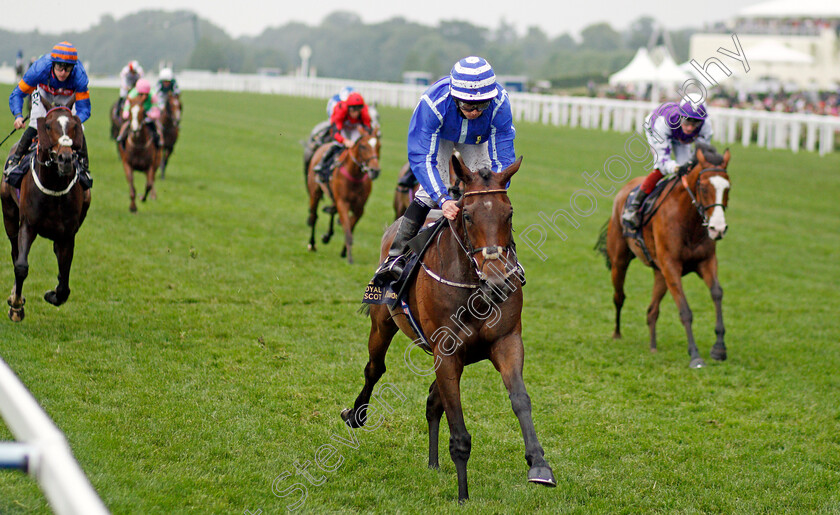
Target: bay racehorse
680	237
50	203
170	121
138	151
349	187
467	297
116	119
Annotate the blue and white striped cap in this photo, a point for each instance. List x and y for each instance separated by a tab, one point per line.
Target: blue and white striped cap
472	79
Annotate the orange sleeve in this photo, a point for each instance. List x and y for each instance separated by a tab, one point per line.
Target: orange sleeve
26	88
82	95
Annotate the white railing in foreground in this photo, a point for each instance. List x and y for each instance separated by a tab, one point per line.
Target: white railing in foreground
767	129
42	448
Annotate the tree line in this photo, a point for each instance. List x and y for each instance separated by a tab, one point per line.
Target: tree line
345	47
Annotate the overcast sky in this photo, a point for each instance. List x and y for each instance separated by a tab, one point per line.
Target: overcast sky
250	17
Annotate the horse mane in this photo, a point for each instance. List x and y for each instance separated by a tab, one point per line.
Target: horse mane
710	153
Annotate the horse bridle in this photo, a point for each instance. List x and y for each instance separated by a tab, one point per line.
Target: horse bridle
701	209
490	253
64	141
364	165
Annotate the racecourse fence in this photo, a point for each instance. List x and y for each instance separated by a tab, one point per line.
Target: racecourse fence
42	451
772	130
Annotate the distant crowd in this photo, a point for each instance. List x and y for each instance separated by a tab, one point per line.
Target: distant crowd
806	102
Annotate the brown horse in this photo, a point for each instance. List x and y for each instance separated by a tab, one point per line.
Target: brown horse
51	203
116	119
170	121
349	187
468	297
138	152
680	238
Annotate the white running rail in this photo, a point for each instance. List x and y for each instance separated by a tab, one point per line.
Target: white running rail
42	451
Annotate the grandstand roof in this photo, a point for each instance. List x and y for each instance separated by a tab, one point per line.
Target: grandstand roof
792	9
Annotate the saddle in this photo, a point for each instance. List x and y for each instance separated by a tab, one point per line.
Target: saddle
14	176
646	210
391	293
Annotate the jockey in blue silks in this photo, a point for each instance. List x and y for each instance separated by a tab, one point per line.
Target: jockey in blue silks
468	112
670	131
60	79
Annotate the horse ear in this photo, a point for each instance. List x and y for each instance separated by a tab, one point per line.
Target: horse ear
726	157
460	169
698	153
46	103
510	170
43	137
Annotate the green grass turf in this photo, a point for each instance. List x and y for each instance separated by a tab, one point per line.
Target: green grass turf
204	350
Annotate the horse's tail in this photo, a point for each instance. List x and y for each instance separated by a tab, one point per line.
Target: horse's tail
601	244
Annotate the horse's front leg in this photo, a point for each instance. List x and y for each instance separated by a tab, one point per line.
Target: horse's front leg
448	379
132	193
163	161
434	411
64	254
314	199
673	279
26	236
382	331
659	290
619	257
508	356
708	271
150	184
346	222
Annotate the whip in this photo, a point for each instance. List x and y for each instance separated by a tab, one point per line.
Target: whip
13	131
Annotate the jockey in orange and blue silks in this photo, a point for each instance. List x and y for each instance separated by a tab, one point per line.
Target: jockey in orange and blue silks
60	79
468	112
670	129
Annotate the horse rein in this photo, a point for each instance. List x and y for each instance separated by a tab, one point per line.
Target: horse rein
701	209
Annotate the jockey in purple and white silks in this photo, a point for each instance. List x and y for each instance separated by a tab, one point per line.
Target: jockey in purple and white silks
670	129
468	112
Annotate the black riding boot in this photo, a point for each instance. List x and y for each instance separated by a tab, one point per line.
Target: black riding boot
322	169
82	164
22	148
410	224
632	213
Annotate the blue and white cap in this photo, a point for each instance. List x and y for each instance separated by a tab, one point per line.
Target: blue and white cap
472	79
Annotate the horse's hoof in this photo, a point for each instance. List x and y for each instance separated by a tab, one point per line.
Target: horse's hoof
325	239
616	336
16	314
434	466
132	208
718	354
542	476
311	247
349	417
53	298
697	363
654	350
